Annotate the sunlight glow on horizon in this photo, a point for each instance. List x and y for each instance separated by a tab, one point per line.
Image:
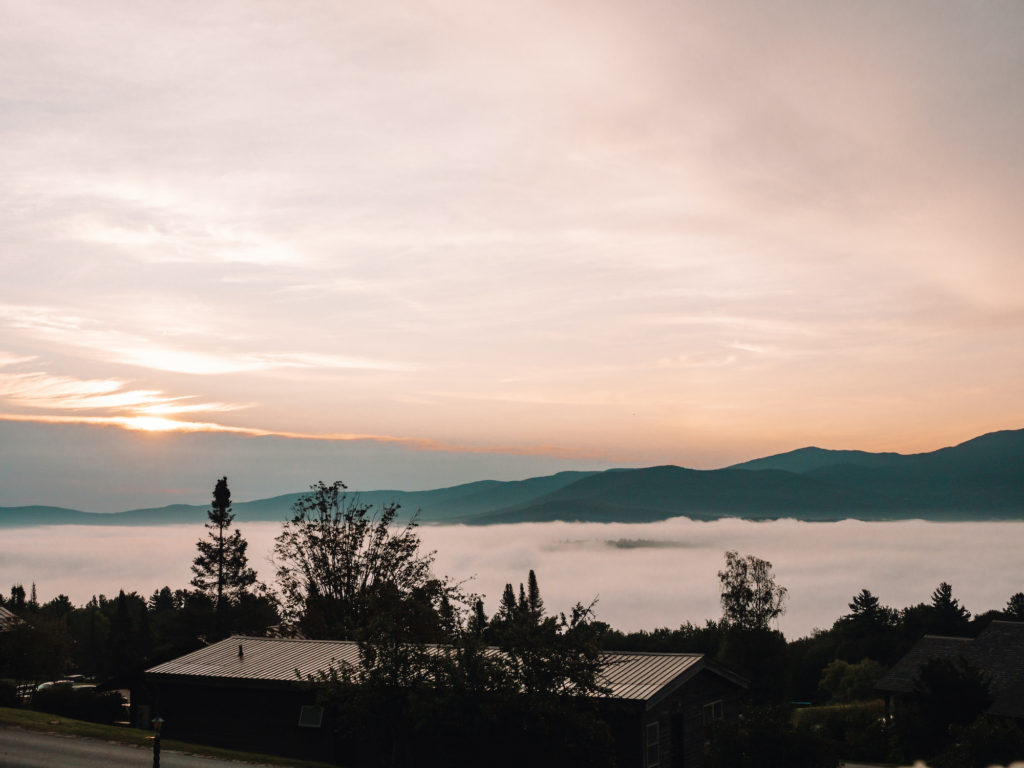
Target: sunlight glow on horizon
658	233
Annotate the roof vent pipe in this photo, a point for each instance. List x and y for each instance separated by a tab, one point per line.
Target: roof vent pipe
240	654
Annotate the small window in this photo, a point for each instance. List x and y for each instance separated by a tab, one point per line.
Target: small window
311	717
713	711
653	744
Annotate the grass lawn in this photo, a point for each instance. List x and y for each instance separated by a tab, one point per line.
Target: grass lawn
41	721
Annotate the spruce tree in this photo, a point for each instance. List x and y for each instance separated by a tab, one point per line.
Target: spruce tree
478	619
948	616
509	608
533	598
222	567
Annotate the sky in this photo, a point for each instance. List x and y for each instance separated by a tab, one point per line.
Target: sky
642	575
506	238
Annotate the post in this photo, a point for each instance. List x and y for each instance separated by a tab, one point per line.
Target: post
157	722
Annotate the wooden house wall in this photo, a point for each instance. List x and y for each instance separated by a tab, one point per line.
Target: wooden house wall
259	719
247	718
680	719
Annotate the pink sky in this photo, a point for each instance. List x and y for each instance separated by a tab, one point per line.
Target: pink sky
611	233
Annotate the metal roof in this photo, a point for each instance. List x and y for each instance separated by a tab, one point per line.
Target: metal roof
8	620
263	658
631	676
642	676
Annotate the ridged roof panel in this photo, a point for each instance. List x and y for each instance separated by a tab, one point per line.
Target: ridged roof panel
632	676
8	620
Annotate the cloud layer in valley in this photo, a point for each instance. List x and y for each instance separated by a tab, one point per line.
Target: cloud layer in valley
664	575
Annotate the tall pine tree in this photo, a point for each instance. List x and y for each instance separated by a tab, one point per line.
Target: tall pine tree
222	568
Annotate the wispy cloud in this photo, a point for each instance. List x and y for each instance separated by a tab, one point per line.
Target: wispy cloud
8	359
42	391
141	423
97	339
192	243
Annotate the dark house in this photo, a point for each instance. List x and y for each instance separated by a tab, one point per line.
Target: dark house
998	653
8	620
248	692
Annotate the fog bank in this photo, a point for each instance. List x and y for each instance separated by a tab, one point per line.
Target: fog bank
643	575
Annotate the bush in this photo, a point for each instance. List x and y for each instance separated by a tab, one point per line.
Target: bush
9	694
79	703
845	682
857	730
947	694
987	741
765	737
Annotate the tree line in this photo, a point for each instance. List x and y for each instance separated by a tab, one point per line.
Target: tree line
347	570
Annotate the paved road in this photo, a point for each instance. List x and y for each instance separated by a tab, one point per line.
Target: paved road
32	749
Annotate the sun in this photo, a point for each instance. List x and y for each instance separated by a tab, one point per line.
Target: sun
152	424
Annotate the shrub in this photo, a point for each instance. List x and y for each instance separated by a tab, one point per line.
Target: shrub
857	730
79	703
845	682
765	737
9	694
985	742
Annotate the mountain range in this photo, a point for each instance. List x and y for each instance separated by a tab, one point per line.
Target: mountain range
981	479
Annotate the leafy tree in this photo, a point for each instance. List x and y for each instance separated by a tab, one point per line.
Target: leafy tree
89	627
58	608
1015	607
689	638
525	702
845	682
344	567
750	597
751	600
222	567
130	639
35	651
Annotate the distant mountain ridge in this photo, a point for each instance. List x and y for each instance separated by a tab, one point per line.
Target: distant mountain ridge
980	479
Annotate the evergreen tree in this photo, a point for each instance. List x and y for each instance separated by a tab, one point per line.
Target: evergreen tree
17	598
478	619
948	616
508	609
222	567
533	598
867	632
865	608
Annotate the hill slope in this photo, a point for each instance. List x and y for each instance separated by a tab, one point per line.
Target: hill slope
981	479
434	506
